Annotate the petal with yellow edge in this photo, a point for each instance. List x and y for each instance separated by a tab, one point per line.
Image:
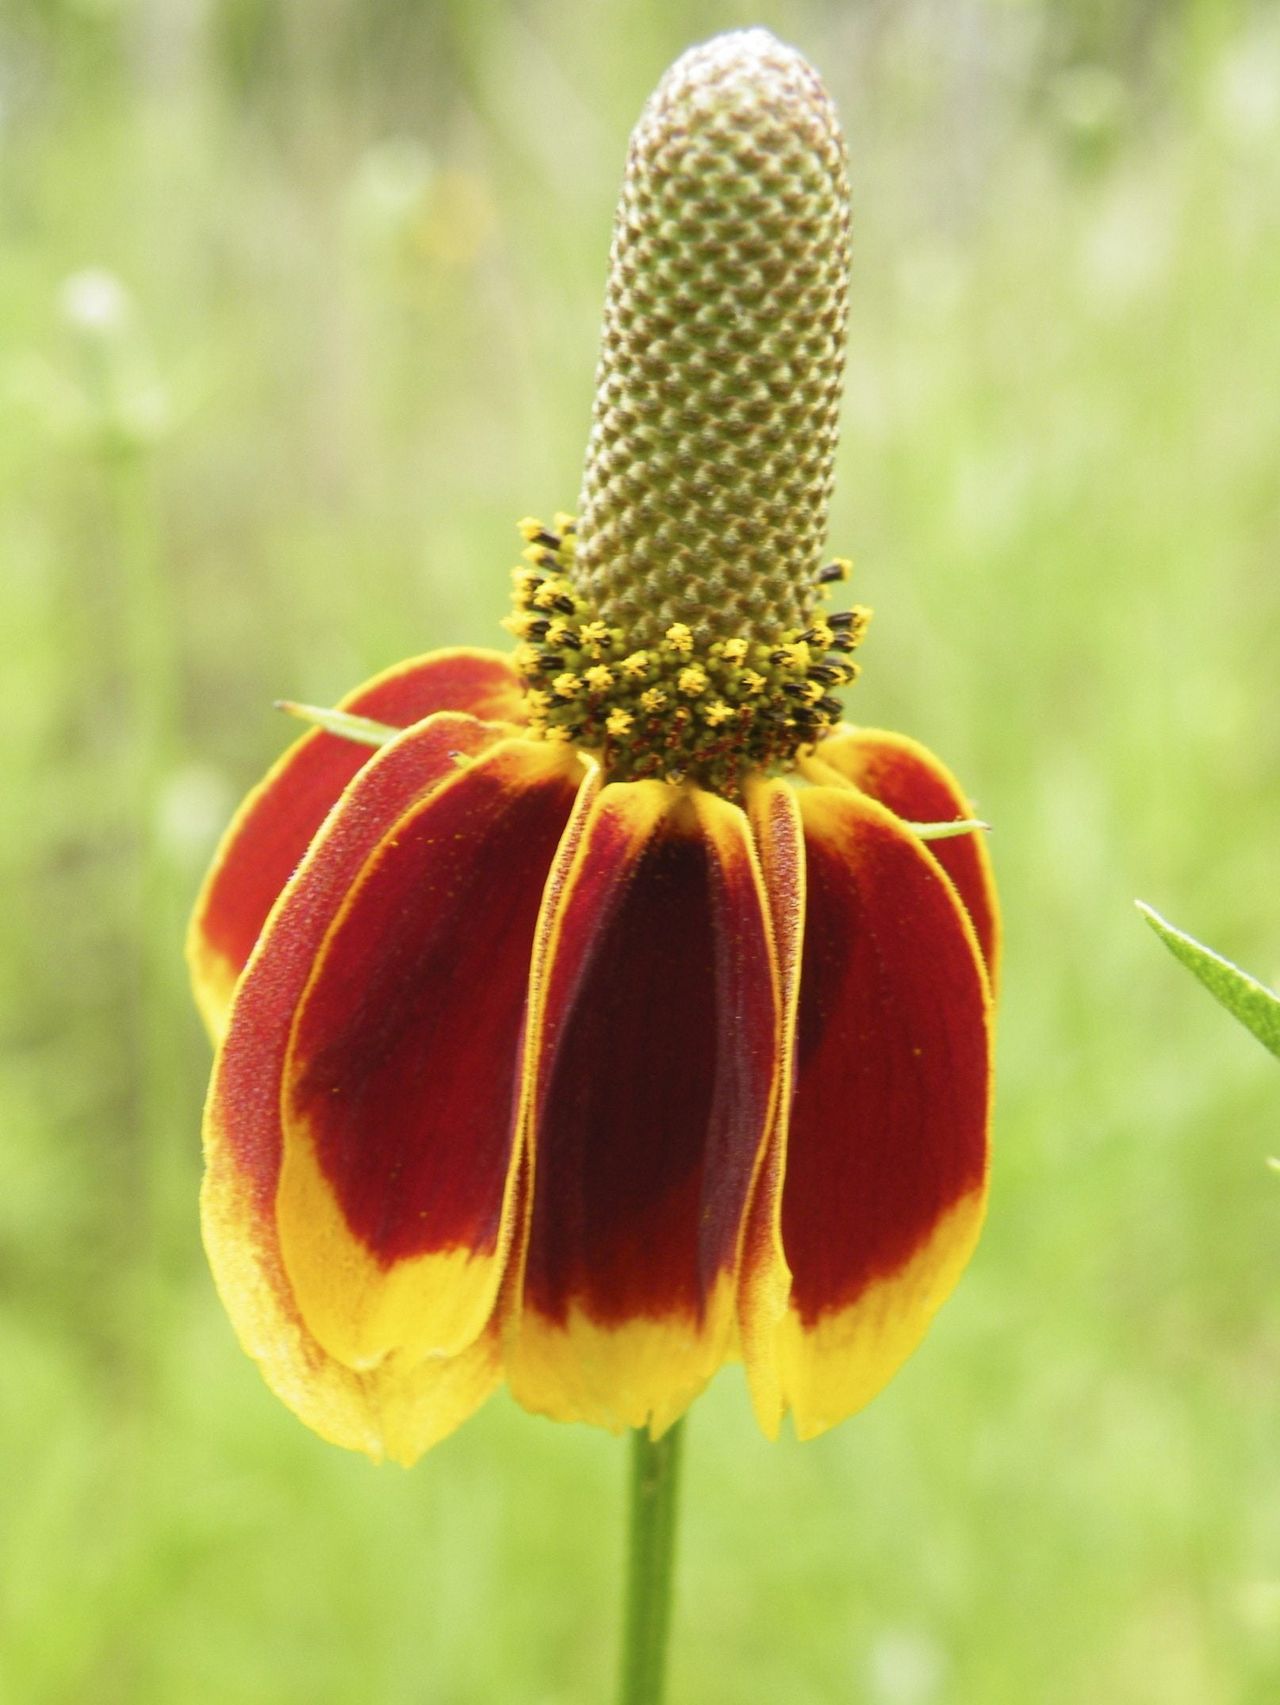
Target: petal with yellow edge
917	786
274	826
654	1046
874	1187
404	1405
401	1084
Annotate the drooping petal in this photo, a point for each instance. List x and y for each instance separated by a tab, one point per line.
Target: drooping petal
918	787
653	1043
402	1406
765	1280
399	1409
274	826
401	1084
874	1185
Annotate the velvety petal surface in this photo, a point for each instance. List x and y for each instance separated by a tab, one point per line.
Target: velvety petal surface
874	1185
275	824
654	1069
918	787
402	1406
402	1081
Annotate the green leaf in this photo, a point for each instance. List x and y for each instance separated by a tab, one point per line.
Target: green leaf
1256	1006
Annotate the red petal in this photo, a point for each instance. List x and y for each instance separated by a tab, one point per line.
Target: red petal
883	1159
404	1406
274	826
918	787
655	1060
401	1085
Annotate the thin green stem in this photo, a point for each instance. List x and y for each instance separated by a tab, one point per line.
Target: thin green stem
655	1487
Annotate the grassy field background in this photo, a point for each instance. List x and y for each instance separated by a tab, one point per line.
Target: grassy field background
298	314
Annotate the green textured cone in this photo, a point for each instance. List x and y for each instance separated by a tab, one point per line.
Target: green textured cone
709	468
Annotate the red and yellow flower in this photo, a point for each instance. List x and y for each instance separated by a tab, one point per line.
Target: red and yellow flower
591	1017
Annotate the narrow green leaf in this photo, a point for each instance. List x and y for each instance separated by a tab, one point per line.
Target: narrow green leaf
1256	1007
341	722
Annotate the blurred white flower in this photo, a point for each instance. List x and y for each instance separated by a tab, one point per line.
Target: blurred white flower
1246	95
191	811
391	184
95	302
906	1667
120	399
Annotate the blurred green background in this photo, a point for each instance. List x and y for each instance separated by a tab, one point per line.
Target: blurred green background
298	314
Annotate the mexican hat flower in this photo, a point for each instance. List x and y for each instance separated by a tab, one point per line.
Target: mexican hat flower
595	1013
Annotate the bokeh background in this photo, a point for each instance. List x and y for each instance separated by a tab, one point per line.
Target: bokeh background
298	314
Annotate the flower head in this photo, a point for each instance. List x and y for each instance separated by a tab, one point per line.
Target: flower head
590	1017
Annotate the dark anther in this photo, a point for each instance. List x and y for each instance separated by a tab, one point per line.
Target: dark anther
565	605
832	571
840	619
536	628
550	540
833	707
844	642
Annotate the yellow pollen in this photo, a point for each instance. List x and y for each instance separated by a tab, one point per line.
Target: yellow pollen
529	527
674	708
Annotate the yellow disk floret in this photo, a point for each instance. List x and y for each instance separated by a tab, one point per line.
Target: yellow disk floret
674	709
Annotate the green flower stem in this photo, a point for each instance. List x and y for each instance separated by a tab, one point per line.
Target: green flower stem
655	1487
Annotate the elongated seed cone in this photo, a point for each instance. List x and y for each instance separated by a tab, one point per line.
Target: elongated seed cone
709	468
